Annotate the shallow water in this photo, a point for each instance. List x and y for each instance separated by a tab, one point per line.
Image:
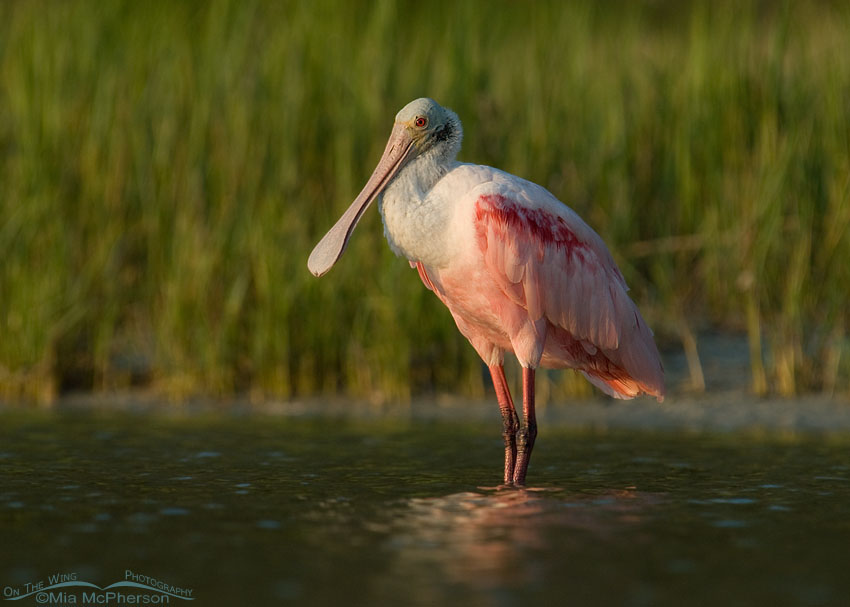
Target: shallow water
276	510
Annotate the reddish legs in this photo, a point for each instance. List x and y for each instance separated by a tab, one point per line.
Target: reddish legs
527	430
510	422
519	438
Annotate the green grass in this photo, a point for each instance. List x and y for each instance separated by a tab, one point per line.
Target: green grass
166	167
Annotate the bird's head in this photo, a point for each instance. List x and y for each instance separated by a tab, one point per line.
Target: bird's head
430	126
423	129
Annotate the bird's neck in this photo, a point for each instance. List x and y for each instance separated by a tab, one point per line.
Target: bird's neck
418	178
414	223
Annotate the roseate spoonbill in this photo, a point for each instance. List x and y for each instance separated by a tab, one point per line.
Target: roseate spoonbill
518	270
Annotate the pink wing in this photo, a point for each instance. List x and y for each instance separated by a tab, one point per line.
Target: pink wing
548	261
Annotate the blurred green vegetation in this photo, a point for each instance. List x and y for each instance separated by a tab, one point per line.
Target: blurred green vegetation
166	167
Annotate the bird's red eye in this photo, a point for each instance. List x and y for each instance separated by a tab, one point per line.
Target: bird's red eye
420	121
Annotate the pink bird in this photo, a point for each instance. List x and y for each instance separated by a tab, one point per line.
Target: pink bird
518	270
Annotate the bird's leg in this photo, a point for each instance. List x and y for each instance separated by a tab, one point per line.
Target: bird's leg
510	422
528	429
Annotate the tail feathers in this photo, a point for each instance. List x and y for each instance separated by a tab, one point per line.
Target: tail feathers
636	365
624	388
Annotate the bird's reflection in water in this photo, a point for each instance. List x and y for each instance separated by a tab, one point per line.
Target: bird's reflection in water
502	538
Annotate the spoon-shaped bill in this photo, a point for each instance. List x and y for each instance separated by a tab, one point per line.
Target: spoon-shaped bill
331	247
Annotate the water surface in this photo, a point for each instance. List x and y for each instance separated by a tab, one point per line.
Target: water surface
329	511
